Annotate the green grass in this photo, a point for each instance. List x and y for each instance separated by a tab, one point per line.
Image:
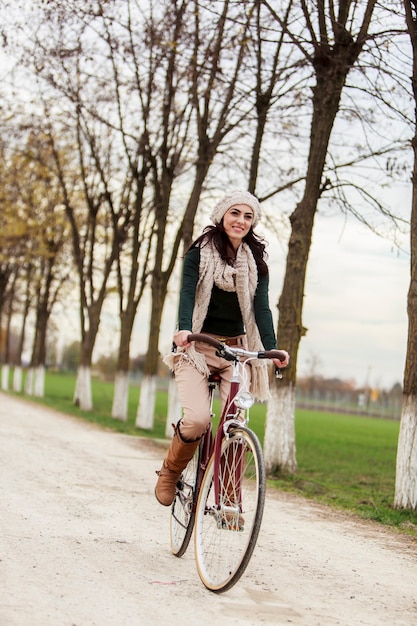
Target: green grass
348	461
345	461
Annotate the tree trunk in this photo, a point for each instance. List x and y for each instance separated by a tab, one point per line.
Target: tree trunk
39	382
39	351
174	413
279	443
83	395
17	379
44	303
29	382
121	381
120	396
144	418
406	471
18	373
9	317
5	377
146	409
127	312
290	327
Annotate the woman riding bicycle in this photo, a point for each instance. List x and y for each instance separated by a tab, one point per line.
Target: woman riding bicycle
224	293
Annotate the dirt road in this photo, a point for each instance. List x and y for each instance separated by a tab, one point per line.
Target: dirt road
83	542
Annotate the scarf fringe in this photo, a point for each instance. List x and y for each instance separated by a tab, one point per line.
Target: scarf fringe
260	381
190	355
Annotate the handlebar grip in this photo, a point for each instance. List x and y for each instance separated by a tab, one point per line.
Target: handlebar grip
206	339
272	354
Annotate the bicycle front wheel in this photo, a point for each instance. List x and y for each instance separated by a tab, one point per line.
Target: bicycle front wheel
183	507
226	533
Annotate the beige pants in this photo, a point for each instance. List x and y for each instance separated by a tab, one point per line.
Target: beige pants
193	390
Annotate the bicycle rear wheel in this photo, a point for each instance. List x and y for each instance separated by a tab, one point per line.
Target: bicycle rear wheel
183	507
225	536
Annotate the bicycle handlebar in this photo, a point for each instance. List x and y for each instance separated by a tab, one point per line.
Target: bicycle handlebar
212	341
225	349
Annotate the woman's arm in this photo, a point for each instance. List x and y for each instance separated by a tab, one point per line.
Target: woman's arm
263	315
190	273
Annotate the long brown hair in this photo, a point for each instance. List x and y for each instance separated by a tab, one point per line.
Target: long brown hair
218	236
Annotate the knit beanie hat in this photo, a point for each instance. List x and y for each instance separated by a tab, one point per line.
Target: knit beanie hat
237	197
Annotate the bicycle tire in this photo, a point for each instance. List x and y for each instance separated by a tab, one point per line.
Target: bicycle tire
183	507
223	549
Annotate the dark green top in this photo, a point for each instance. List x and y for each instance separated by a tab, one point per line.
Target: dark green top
224	317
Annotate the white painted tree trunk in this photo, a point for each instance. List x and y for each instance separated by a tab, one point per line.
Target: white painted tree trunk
5	377
39	382
82	395
174	413
29	382
279	442
120	396
17	379
406	472
146	409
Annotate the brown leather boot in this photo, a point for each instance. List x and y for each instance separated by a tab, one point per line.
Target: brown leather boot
180	452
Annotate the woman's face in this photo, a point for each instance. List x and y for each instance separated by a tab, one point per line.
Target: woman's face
237	222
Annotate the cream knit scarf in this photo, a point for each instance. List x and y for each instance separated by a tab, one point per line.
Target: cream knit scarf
242	278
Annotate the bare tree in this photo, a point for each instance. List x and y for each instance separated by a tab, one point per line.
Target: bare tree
129	57
46	235
207	78
58	58
336	35
50	275
7	340
110	122
11	251
406	471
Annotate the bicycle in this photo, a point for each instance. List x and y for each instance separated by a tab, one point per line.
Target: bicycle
221	492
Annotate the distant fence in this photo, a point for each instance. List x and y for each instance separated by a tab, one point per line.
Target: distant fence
385	407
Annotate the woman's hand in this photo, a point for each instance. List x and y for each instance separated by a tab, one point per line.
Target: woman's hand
284	363
180	338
